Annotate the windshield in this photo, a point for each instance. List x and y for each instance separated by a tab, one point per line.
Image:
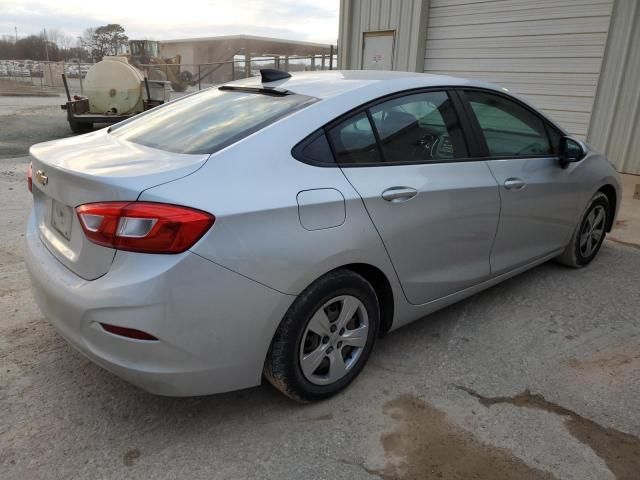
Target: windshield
207	121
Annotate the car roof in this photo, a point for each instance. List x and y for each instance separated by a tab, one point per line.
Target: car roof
332	83
345	87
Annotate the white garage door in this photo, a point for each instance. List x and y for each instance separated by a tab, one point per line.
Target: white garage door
547	51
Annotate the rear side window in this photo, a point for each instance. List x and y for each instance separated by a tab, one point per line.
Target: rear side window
422	127
510	130
314	149
354	141
208	121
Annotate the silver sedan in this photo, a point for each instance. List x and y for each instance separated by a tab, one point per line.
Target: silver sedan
276	227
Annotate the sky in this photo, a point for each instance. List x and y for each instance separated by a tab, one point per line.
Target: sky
310	20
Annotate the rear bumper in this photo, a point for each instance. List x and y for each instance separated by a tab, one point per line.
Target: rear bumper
213	326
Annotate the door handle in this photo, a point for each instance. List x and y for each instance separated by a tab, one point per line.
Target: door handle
514	184
399	194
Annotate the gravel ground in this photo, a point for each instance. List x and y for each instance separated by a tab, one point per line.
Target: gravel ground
537	378
29	120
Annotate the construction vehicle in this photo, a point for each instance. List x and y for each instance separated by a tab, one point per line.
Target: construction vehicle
145	55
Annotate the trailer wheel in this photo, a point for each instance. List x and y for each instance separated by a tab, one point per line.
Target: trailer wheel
77	127
179	87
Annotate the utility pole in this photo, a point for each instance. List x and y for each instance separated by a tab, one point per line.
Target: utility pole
16	29
46	47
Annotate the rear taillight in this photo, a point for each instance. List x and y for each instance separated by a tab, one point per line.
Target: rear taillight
143	226
30	177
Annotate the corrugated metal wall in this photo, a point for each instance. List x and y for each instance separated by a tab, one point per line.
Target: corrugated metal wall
615	123
403	16
548	51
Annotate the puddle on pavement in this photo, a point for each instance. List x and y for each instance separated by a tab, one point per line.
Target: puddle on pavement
427	446
619	450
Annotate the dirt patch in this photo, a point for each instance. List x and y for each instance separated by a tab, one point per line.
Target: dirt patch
319	418
620	224
20	88
426	446
623	242
612	367
131	457
619	450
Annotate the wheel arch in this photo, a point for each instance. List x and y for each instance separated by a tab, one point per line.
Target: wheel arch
610	191
381	286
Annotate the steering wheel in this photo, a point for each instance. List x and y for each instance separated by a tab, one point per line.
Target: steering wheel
425	144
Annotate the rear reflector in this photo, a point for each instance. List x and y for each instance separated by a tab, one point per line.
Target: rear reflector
127	332
145	227
30	177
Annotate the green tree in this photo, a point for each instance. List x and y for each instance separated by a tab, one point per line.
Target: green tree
105	40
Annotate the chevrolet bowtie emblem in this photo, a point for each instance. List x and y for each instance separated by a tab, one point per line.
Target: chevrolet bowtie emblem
41	177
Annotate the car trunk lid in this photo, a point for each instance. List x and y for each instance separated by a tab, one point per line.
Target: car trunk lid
94	168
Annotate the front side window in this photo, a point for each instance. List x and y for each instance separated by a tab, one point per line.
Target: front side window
354	141
422	127
207	121
510	130
555	137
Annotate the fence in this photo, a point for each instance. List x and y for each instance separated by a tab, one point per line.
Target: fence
182	77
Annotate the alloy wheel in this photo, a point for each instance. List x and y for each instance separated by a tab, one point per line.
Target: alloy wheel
334	340
592	231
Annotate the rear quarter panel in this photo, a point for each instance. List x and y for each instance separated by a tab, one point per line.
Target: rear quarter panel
251	188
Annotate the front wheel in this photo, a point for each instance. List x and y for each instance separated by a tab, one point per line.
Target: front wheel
589	235
326	337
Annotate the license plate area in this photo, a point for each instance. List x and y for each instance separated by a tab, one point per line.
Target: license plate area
61	219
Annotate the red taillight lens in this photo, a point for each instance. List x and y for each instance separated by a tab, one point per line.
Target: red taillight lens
143	226
128	332
30	177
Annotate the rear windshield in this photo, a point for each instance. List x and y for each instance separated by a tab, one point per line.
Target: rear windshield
207	121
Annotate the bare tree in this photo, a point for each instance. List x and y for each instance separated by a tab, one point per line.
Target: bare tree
65	42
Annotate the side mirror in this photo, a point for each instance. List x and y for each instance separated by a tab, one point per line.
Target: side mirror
571	151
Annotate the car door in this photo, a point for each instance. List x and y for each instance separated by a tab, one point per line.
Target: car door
538	211
435	208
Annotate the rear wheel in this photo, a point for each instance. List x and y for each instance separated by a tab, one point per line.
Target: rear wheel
325	338
589	235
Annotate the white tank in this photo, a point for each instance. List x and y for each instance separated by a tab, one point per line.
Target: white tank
114	86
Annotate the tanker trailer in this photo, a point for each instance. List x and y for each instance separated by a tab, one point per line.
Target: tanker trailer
114	90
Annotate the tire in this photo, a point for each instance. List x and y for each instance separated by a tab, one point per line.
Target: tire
186	77
582	249
179	87
325	306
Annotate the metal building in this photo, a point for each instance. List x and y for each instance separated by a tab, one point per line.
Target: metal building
215	55
577	60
